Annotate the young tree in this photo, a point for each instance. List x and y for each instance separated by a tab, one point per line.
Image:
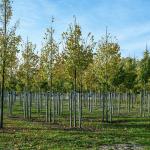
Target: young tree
131	73
26	72
78	55
144	78
9	42
144	74
48	56
130	79
12	61
28	66
108	59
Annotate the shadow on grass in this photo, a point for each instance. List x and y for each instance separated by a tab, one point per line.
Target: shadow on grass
120	123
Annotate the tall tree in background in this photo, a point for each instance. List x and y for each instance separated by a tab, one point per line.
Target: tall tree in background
131	73
26	73
28	66
13	61
78	56
48	53
8	47
108	59
130	79
144	73
48	56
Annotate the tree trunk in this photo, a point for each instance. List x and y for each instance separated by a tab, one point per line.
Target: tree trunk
75	99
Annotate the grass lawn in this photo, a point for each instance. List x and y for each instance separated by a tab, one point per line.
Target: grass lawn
132	132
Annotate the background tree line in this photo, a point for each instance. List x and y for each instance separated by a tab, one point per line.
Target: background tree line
76	64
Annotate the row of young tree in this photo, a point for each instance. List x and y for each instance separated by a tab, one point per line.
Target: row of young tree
77	64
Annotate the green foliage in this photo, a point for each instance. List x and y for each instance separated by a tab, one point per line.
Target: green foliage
119	77
48	56
95	66
130	73
9	42
78	52
108	60
27	69
144	74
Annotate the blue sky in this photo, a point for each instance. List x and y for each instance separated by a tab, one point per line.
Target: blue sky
128	20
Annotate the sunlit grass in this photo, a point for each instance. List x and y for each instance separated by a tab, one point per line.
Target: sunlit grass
36	134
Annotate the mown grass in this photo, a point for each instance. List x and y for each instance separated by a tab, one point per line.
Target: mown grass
36	134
